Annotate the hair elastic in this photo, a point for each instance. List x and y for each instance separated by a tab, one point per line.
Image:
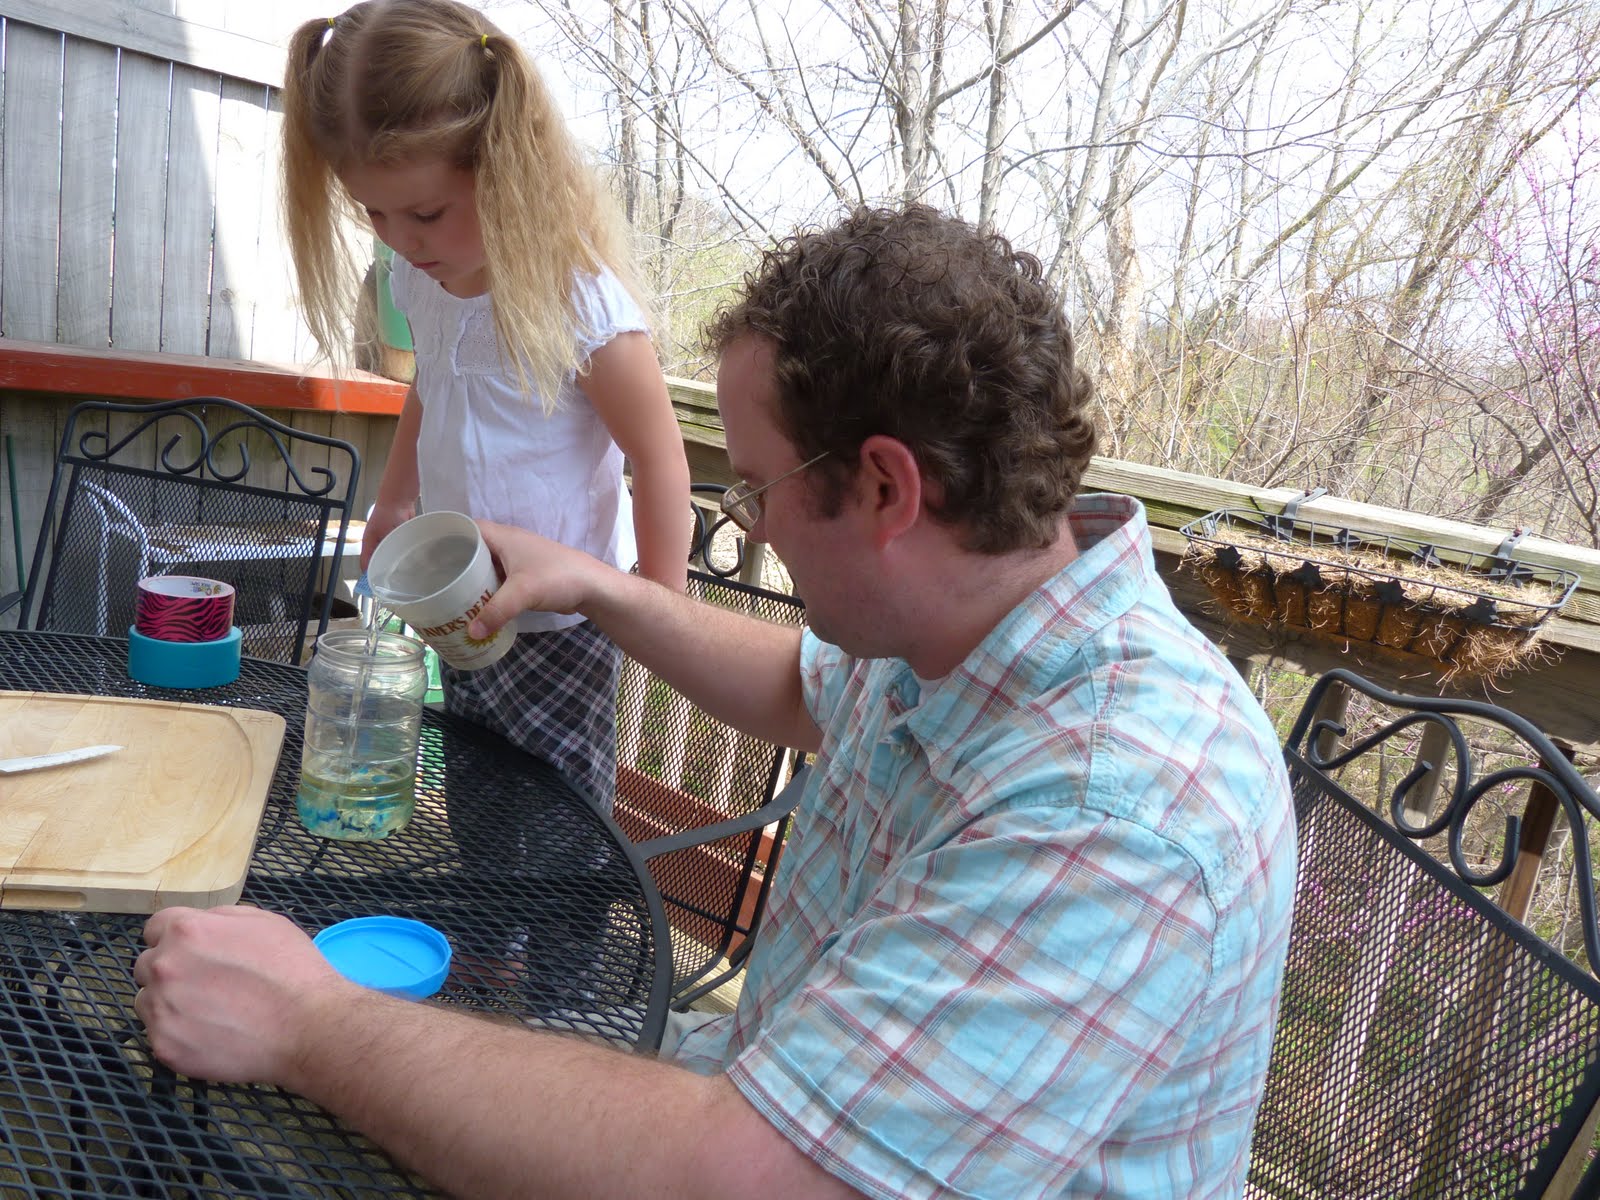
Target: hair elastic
484	41
331	20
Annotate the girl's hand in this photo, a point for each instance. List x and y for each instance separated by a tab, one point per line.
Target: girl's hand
380	524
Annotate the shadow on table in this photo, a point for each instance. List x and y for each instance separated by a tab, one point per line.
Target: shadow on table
543	911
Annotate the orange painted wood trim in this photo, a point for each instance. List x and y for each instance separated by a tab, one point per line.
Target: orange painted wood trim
127	375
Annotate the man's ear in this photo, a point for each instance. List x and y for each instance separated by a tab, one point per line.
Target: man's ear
891	483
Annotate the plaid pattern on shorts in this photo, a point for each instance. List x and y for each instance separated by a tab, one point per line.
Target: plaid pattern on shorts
553	695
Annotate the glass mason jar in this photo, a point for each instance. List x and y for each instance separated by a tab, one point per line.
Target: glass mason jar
358	773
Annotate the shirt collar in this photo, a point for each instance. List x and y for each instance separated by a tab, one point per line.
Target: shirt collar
1112	572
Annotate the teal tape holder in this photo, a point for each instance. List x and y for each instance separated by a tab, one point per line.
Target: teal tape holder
183	664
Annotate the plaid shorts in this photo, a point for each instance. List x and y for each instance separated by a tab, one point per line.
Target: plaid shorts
554	695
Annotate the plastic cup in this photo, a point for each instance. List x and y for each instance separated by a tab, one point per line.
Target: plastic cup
434	572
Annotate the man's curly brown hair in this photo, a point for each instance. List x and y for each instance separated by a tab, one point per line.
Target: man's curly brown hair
914	324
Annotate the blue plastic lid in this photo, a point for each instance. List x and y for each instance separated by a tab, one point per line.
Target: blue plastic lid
395	955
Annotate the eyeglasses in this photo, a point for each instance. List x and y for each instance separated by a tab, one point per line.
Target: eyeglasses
742	503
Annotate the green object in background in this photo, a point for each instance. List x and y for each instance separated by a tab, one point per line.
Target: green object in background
392	325
430	664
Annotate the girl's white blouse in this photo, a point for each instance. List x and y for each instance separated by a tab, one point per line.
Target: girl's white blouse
487	449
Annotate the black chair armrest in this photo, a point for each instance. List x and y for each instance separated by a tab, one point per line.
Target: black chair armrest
706	528
775	809
9	601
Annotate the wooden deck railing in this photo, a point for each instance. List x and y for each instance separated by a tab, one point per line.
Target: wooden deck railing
1557	693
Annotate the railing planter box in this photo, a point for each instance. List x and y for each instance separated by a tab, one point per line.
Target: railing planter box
1470	614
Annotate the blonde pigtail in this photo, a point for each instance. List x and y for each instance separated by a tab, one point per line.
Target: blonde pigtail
313	202
545	218
527	229
397	81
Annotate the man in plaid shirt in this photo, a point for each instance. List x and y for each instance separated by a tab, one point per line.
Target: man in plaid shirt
1027	934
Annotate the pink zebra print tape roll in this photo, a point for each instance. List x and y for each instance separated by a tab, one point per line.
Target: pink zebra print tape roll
183	608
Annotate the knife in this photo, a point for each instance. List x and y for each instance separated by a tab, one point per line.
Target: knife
13	766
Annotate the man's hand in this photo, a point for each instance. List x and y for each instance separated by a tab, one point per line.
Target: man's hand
539	574
229	993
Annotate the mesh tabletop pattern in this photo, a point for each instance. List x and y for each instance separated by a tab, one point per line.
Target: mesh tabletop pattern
550	921
1427	1044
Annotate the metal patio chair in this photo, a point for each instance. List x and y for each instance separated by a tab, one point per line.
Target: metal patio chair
709	528
1429	1043
705	804
206	487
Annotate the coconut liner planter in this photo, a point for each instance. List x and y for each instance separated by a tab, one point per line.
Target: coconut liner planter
1473	614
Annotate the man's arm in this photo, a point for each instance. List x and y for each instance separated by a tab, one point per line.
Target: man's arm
739	669
482	1109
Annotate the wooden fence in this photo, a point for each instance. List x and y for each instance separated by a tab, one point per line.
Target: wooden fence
139	208
138	183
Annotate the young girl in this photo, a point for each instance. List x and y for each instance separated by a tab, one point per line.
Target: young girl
535	370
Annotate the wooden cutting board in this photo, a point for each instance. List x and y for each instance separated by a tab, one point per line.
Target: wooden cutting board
168	819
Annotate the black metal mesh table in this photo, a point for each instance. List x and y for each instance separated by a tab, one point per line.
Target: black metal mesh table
549	911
